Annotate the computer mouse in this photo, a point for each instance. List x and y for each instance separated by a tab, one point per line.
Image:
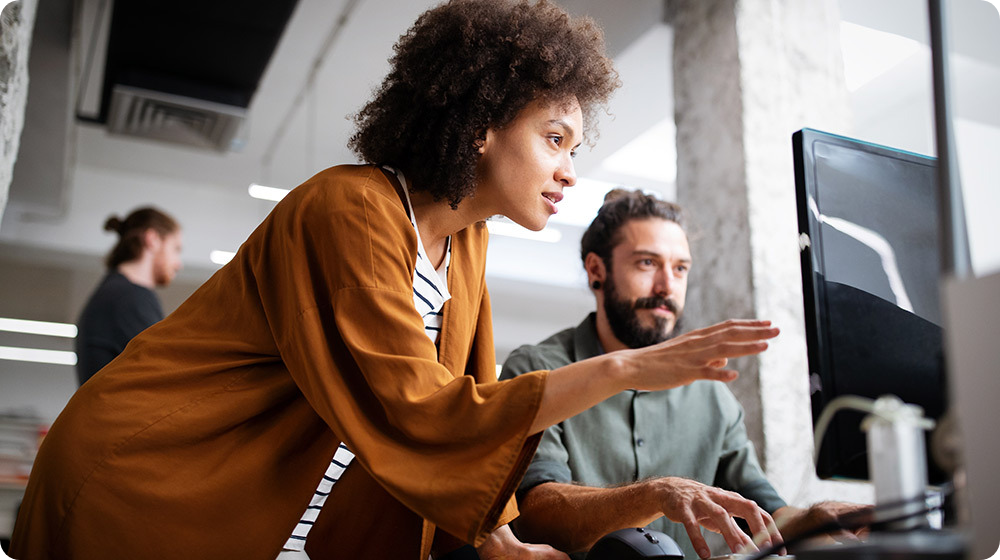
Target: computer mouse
633	544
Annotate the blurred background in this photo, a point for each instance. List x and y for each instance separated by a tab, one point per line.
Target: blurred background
185	104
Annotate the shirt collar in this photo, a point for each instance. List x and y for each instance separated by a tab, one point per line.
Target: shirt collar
585	341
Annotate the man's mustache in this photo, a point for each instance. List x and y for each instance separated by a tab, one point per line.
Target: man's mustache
657	301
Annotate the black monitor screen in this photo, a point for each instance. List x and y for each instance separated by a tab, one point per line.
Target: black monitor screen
870	268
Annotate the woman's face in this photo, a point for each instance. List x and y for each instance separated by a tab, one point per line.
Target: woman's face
526	165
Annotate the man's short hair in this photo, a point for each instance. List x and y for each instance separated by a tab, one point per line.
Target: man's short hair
620	207
470	65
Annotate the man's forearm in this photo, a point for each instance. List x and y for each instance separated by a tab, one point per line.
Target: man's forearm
572	518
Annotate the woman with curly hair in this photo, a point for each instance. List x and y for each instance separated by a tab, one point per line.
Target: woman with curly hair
354	324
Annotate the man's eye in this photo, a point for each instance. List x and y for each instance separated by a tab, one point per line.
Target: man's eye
556	139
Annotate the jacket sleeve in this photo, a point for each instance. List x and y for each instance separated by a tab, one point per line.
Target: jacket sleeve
335	265
551	460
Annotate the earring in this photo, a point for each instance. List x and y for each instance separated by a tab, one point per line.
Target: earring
596	284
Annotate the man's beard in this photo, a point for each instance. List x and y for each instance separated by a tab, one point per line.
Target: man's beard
625	323
161	276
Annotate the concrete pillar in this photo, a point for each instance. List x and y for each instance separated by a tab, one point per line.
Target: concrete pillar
747	74
16	22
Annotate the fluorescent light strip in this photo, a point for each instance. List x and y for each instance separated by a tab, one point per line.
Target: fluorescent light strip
547	235
58	357
221	257
266	193
46	328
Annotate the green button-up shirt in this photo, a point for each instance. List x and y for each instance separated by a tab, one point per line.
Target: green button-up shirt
695	432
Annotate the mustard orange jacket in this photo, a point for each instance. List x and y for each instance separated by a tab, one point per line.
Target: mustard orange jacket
206	437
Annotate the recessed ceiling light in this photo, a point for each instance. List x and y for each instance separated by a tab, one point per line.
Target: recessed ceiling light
59	357
221	257
266	193
46	328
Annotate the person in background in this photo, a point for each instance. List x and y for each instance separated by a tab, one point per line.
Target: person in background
331	392
673	460
147	255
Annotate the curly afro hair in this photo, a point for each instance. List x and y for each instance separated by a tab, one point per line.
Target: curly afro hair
469	65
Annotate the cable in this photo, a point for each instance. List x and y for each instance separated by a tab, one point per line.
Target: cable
887	407
836	405
857	519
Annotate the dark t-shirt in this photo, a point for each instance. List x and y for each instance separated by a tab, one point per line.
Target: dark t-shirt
116	312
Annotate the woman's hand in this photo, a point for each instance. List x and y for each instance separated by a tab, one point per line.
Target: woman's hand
503	545
699	354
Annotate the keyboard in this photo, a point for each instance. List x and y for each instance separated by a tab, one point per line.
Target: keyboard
745	556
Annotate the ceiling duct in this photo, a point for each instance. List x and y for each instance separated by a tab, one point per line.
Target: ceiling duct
184	71
174	118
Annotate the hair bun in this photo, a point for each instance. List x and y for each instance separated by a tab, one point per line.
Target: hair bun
616	193
114	224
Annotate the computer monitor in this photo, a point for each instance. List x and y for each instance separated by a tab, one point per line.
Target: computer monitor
868	224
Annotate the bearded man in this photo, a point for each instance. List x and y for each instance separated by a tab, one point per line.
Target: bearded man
675	461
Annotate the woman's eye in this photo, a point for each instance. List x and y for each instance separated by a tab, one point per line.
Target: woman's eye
556	139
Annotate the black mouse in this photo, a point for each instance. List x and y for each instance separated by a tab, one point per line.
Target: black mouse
633	544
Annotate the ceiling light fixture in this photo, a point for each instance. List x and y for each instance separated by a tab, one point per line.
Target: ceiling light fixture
266	193
58	357
221	257
45	328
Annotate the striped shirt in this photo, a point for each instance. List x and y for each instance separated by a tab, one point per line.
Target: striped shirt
430	292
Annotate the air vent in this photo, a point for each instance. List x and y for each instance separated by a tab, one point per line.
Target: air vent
174	118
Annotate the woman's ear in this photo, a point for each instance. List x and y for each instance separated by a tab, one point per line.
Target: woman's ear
483	140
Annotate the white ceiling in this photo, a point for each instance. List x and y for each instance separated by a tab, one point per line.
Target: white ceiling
332	55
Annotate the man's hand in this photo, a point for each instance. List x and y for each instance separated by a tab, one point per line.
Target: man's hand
695	505
795	521
503	545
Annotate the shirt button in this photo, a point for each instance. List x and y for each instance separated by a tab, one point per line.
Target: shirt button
640	442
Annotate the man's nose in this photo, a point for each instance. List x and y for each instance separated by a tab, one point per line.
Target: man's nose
665	283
